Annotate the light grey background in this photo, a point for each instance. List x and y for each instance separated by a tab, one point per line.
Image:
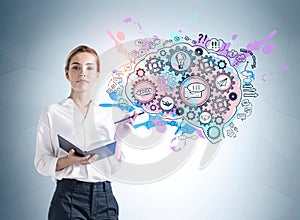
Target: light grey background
255	176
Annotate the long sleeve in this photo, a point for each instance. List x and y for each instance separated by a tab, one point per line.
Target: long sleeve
45	158
66	120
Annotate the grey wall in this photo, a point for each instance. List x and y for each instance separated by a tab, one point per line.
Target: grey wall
254	176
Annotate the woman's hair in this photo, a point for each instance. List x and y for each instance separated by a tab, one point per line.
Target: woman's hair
81	49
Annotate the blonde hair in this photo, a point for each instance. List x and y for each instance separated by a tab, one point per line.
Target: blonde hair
82	49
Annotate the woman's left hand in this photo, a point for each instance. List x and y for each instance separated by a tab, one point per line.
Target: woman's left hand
124	128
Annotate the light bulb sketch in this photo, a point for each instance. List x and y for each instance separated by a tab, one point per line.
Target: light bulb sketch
180	58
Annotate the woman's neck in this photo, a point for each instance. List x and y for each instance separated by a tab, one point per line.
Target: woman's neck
81	99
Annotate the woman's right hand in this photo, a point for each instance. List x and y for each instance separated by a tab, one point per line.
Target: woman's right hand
72	159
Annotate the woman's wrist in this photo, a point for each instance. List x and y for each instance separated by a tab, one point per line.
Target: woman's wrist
61	163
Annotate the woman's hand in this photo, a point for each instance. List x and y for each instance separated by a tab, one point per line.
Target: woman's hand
72	159
124	128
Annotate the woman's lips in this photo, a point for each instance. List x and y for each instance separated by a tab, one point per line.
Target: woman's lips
82	80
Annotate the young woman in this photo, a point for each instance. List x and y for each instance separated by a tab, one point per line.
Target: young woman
81	191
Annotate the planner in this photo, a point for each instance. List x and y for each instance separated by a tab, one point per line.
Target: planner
98	148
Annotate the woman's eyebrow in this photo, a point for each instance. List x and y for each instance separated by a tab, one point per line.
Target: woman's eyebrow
77	63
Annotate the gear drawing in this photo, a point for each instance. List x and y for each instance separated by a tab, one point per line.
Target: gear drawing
180	60
220	105
204	66
213	132
162	52
142	52
218	120
188	92
222	64
140	72
144	91
155	65
166	103
180	82
210	60
205	118
153	107
223	81
190	115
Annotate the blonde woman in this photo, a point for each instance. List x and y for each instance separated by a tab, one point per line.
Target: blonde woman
81	191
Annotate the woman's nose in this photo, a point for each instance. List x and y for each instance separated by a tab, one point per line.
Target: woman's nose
82	73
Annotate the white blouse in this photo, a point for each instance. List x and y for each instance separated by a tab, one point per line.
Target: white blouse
66	120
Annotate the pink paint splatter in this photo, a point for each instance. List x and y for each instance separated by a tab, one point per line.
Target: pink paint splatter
127	20
121	36
155	37
269	48
285	67
112	37
257	44
140	27
234	36
173	139
200	134
160	125
175	149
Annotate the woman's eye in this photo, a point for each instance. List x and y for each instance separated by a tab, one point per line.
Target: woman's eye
75	68
90	68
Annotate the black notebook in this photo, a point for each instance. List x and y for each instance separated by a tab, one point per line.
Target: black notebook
102	151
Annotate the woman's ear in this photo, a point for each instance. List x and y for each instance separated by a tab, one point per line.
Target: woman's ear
67	74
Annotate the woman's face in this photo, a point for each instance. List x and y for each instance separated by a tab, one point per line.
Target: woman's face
82	72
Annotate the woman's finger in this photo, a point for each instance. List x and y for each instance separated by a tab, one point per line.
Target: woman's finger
88	159
71	152
93	158
87	156
135	114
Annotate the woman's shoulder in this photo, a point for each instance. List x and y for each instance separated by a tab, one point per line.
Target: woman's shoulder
64	103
